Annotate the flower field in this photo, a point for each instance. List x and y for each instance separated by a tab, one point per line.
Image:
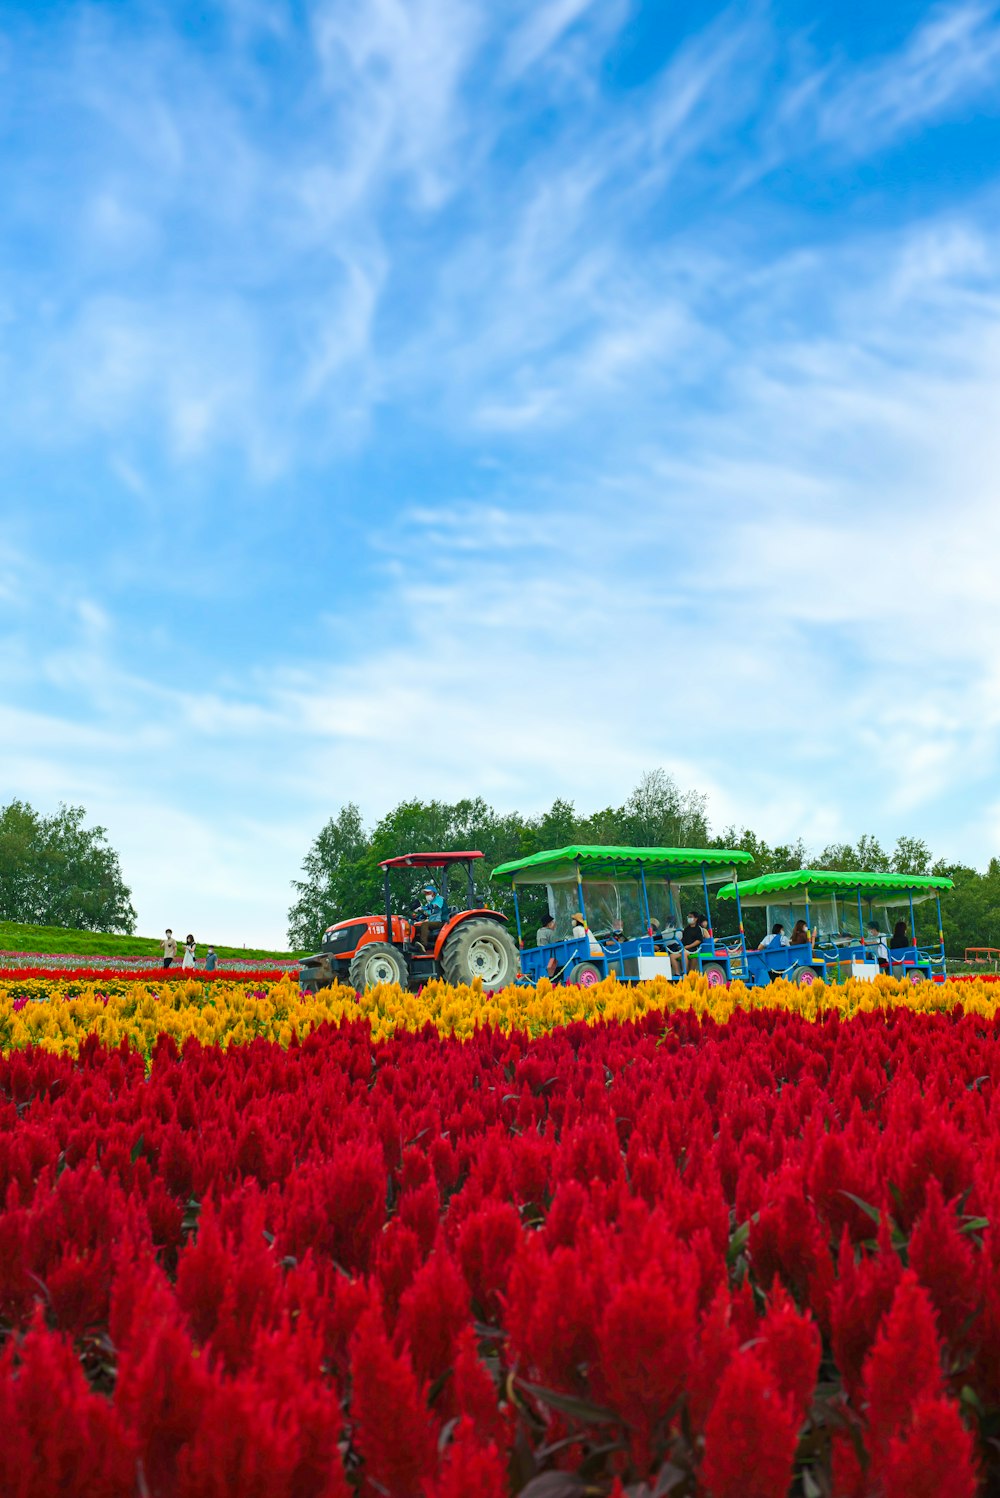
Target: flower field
660	1240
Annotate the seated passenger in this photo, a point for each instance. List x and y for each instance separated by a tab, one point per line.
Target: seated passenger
777	938
801	935
617	932
546	933
430	913
691	939
659	940
877	941
581	930
900	937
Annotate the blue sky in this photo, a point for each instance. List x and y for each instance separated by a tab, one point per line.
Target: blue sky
428	397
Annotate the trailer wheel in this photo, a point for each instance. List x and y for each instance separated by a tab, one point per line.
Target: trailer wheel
805	977
714	974
916	976
585	975
377	963
480	949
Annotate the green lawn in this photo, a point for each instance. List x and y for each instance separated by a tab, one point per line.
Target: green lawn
17	938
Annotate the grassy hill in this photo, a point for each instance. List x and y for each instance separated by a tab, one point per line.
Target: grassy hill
17	938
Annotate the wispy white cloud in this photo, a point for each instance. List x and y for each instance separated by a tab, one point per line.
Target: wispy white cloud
543	26
394	72
948	62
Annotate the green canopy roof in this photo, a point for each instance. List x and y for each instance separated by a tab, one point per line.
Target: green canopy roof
598	862
767	888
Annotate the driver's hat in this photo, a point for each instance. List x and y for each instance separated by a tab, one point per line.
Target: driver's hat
429	885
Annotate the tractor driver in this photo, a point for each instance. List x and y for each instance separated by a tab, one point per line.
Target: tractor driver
430	913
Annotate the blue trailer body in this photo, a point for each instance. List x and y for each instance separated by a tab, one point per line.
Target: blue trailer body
838	900
573	873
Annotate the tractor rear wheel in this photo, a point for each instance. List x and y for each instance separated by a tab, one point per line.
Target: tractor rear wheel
377	963
714	974
480	949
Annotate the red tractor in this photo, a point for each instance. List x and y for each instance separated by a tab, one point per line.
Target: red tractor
454	941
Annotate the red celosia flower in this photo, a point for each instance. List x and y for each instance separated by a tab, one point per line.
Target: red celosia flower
474	1392
393	1429
943	1261
432	1312
934	1458
715	1346
905	1361
644	1349
487	1242
553	1308
791	1345
750	1436
472	1468
58	1437
846	1469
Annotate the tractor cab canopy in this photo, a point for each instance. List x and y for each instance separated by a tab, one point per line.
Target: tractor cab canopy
837	904
444	862
625	887
427	860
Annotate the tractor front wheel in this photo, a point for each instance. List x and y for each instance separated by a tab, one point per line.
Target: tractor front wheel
377	963
480	949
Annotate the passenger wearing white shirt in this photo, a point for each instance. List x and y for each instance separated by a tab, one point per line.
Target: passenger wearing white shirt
877	940
581	930
777	938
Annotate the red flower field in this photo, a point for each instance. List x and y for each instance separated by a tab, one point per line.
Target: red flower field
667	1257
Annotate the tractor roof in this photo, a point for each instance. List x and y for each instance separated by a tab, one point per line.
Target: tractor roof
427	860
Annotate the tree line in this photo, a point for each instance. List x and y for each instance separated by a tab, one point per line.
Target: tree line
55	871
341	876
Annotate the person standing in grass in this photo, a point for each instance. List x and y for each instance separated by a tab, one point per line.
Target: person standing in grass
169	948
190	958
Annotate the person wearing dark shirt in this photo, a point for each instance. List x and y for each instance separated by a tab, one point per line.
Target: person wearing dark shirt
693	935
900	937
430	913
800	935
546	933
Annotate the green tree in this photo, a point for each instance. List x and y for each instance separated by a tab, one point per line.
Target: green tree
658	815
911	855
868	854
339	872
55	871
